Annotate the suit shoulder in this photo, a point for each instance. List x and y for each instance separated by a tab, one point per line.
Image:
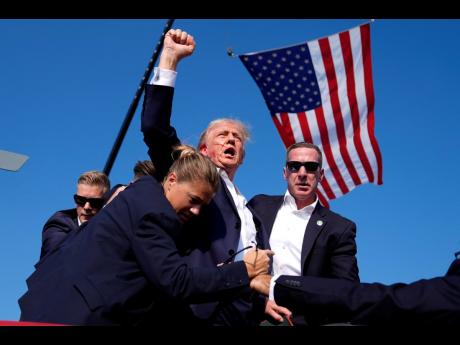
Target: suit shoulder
259	198
338	217
65	219
63	215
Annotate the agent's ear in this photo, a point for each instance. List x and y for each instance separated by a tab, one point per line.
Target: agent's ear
171	179
285	173
321	175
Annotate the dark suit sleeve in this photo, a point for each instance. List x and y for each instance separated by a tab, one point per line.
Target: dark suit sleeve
167	270
343	257
436	300
159	136
54	232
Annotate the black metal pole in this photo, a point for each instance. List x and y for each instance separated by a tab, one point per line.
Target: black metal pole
132	108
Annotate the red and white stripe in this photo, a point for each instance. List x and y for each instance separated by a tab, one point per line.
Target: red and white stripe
343	127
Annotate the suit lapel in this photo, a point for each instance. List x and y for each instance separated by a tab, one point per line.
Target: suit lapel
315	225
228	195
272	211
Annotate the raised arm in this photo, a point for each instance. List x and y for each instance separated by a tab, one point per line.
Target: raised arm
159	135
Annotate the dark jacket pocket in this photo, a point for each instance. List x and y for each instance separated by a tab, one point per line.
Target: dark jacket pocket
89	293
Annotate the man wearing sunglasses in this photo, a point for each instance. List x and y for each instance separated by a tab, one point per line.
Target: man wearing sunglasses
308	239
88	199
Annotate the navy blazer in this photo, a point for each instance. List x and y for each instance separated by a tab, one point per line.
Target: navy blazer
427	301
124	268
214	235
328	248
57	228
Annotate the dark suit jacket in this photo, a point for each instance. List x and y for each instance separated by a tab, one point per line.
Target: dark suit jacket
124	268
427	301
328	248
215	233
57	228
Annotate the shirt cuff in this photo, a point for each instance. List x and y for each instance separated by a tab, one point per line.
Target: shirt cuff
164	77
271	293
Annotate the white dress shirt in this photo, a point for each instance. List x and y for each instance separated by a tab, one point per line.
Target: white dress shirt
286	238
163	77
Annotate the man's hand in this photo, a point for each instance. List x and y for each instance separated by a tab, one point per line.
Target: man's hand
257	261
276	312
177	45
261	284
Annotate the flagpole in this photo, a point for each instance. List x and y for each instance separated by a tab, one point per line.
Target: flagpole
132	108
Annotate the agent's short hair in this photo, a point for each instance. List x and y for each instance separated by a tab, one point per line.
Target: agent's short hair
143	168
308	146
95	178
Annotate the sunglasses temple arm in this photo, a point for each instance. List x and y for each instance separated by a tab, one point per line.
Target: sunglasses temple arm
231	257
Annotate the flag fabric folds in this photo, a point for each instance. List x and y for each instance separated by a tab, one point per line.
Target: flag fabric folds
321	92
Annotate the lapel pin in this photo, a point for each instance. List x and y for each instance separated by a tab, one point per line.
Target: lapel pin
319	222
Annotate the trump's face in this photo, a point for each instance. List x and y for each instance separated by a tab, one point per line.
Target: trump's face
224	146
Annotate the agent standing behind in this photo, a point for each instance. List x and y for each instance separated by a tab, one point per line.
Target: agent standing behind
141	168
309	240
91	187
125	268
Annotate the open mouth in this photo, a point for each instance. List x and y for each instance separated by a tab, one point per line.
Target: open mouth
230	152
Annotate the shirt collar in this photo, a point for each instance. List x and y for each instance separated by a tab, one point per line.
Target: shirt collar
289	201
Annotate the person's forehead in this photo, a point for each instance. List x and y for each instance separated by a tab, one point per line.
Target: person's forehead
303	151
196	188
89	188
226	126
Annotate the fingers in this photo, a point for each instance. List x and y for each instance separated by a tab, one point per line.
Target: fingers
283	311
277	312
190	40
181	37
271	309
275	315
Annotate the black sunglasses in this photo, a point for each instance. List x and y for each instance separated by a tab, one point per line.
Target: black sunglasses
294	166
94	202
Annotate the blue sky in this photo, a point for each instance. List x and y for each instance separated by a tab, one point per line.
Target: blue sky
65	87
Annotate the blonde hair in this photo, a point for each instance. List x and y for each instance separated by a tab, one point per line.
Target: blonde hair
95	178
189	165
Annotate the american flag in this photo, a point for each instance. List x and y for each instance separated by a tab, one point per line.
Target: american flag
321	92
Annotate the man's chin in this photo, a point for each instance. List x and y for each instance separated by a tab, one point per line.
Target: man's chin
85	218
302	194
230	163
